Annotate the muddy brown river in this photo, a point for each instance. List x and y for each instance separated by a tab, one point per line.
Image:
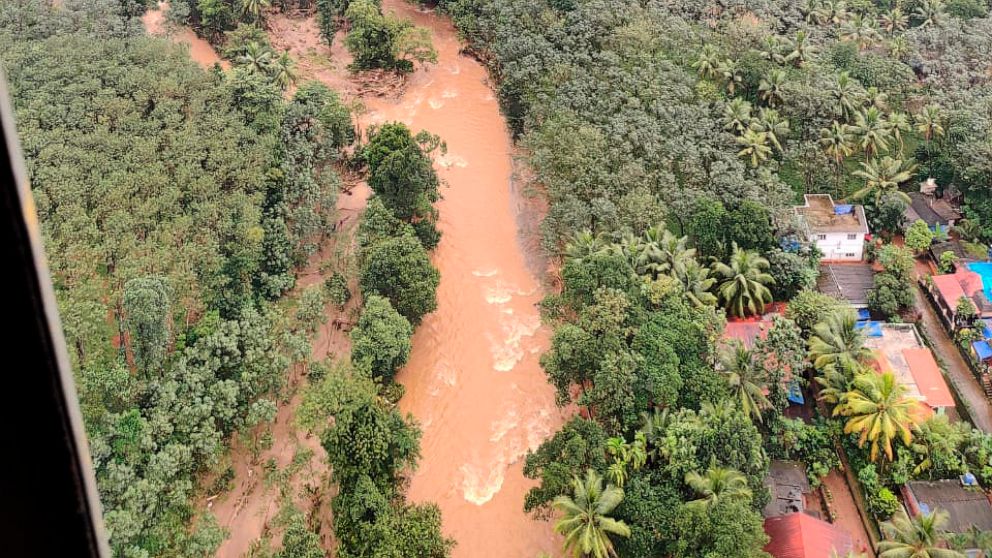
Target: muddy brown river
473	381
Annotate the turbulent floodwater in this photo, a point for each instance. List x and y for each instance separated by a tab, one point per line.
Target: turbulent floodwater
473	380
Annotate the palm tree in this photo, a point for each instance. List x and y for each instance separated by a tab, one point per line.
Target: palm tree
799	49
769	122
654	429
930	123
736	115
730	73
770	88
744	376
922	536
837	142
847	94
899	123
883	177
937	435
718	483
585	522
707	63
754	146
833	12
860	29
696	282
879	411
930	12
585	244
837	341
894	20
835	380
770	48
257	57
284	71
871	130
743	283
253	9
877	98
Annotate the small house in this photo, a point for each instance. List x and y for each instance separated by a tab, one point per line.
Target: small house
936	212
965	502
900	350
948	289
838	230
850	282
798	535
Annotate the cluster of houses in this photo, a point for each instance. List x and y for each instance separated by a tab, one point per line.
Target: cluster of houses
795	520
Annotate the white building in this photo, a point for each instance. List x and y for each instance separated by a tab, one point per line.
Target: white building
838	230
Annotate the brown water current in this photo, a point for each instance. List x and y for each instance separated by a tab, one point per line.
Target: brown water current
473	381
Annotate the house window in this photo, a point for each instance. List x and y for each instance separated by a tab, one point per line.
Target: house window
852	237
821	237
849	255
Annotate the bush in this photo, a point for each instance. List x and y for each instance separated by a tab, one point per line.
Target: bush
336	287
889	295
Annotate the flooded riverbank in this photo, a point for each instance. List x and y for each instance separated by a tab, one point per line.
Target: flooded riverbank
199	49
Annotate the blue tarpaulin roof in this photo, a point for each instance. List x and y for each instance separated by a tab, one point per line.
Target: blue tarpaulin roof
795	394
874	328
863	314
987	328
982	349
843	208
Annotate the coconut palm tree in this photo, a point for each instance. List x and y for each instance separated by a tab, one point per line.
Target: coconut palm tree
654	428
832	12
860	29
257	57
922	536
931	12
774	126
585	517
799	49
284	71
883	177
707	63
585	244
899	123
743	283
871	131
696	282
745	378
254	9
893	21
730	73
737	115
879	99
754	147
770	48
837	142
879	411
835	380
716	484
770	88
847	94
837	341
930	124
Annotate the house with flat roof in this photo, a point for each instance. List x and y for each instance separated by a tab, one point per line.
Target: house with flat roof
787	486
798	535
899	349
838	230
966	506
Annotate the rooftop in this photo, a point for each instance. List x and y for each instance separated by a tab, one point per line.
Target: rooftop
953	246
932	210
962	283
900	350
798	535
966	507
822	215
847	281
788	486
747	332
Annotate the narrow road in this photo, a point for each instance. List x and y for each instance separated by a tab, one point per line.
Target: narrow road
963	382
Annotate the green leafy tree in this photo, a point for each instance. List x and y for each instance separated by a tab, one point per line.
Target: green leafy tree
399	269
147	309
919	236
380	339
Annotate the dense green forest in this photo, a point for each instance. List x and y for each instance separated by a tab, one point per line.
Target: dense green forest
175	205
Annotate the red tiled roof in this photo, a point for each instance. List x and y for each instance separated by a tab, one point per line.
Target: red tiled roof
928	378
953	286
798	535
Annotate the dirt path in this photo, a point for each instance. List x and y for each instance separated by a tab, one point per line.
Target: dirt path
956	369
848	517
